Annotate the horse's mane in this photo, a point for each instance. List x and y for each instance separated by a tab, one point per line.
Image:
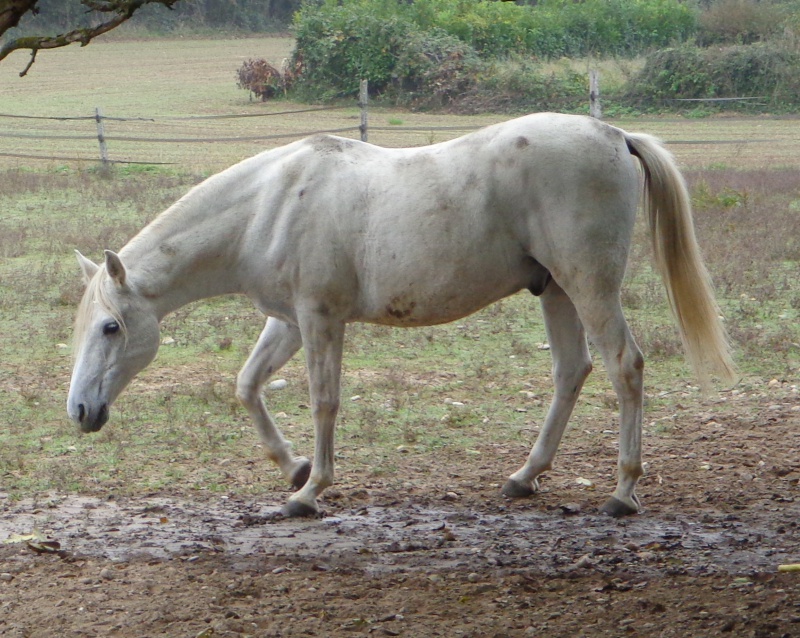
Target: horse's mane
96	295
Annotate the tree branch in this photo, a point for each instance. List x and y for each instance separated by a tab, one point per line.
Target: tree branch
12	11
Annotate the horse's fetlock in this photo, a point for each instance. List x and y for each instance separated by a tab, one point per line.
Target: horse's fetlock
633	470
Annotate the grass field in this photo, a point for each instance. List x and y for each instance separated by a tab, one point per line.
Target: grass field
399	385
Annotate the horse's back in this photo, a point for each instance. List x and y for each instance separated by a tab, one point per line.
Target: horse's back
425	235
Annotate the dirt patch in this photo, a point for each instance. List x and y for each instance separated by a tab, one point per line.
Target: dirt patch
439	552
162	566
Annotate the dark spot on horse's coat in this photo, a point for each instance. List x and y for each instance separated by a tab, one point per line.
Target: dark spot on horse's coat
302	192
400	310
168	250
522	142
324	309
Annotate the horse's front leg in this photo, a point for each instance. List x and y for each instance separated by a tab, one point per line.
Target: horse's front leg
322	341
278	343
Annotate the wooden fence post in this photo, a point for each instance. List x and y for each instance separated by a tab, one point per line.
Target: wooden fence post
101	140
595	109
363	101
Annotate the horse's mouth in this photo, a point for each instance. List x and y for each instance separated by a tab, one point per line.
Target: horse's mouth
92	423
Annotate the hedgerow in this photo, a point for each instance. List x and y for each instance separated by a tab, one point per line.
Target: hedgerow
767	71
341	41
480	55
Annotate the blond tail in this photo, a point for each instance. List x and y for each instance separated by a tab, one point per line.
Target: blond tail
678	259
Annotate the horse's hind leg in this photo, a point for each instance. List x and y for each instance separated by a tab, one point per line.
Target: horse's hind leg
623	360
571	365
279	341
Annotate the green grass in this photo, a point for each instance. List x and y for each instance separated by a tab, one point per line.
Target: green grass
178	427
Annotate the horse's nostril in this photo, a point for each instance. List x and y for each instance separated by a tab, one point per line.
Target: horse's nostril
81	413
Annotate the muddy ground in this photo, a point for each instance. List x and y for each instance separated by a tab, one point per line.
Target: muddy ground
445	554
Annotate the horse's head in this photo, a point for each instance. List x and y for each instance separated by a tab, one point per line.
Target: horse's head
116	336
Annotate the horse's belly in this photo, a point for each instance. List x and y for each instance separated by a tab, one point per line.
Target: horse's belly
425	303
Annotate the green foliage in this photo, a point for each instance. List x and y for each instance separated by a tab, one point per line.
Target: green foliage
765	70
441	47
554	28
740	22
518	84
338	46
434	68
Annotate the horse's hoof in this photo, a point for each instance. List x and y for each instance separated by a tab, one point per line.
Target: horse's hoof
297	509
515	489
616	508
301	474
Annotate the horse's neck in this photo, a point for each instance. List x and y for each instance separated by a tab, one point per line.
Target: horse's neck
191	250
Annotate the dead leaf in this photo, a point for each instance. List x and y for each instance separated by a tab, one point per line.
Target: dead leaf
35	535
45	546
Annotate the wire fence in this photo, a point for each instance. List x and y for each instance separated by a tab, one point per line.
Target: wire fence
132	140
218	140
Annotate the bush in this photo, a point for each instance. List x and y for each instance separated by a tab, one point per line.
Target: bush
434	69
767	70
260	78
739	22
429	51
519	84
337	46
555	28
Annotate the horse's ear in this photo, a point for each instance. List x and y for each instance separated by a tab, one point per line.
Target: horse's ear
88	267
115	268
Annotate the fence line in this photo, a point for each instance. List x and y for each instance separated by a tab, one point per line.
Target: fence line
176	118
105	136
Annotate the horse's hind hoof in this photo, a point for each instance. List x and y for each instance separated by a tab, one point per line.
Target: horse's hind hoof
297	509
616	508
301	474
515	489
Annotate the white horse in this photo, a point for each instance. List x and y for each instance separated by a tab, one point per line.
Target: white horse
327	231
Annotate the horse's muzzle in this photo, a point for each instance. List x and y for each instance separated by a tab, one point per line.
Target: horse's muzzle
89	421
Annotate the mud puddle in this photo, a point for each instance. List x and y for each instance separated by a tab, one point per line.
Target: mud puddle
383	539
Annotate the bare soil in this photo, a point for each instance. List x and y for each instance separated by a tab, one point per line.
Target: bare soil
445	556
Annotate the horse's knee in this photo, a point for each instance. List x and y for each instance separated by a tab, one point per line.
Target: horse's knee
571	379
326	407
246	392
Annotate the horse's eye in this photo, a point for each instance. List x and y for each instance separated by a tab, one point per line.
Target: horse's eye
112	327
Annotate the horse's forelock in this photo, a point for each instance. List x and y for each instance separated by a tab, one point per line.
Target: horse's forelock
95	296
